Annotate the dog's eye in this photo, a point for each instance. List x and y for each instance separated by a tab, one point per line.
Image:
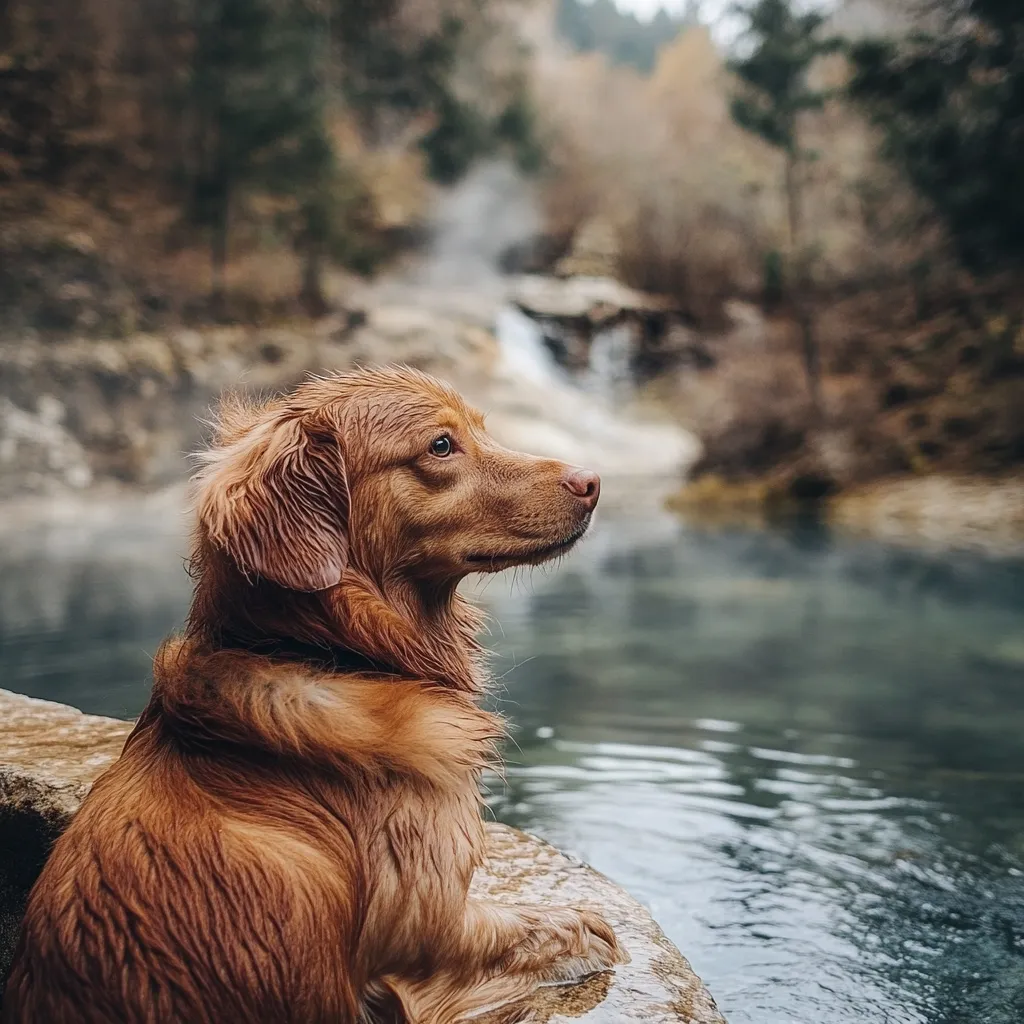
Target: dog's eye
441	446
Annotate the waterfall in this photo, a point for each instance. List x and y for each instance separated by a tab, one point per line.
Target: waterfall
523	351
532	402
608	375
550	413
610	369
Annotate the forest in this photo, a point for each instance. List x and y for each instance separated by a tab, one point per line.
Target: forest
855	179
239	124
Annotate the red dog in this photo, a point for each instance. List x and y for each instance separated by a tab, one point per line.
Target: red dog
290	833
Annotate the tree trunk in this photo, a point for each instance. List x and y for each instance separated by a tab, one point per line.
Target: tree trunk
793	211
219	255
802	286
811	354
312	297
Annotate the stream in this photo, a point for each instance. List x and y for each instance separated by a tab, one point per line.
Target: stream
801	751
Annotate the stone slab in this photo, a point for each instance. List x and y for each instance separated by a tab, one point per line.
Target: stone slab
596	299
51	754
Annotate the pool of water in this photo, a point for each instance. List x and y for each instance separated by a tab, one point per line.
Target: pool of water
804	753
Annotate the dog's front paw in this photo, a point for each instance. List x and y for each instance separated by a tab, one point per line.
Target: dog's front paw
589	946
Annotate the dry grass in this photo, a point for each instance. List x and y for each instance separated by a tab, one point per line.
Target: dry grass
698	203
967	511
70	267
660	159
700	260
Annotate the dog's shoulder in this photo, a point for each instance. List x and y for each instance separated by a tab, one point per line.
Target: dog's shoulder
351	721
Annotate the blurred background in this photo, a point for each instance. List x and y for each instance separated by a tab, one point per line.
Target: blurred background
760	265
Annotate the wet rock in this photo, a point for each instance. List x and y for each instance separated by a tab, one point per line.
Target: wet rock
80	411
599	300
51	754
657	987
128	409
415	336
36	448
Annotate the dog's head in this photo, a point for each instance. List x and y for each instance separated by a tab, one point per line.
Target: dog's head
388	471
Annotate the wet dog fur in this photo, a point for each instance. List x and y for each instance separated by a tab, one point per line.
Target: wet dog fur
291	830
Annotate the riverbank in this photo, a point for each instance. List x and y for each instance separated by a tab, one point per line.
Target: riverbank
916	435
965	512
936	512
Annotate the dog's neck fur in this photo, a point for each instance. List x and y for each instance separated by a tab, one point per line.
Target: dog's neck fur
394	625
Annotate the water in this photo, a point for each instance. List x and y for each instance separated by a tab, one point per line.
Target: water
802	752
610	370
573	417
608	376
522	348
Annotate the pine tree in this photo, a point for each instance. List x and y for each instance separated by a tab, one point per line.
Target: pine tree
257	111
775	93
951	105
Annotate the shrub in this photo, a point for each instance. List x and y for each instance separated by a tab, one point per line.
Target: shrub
697	255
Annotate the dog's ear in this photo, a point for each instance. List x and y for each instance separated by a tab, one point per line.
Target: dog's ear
276	500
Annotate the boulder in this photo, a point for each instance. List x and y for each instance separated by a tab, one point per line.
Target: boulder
81	411
51	755
597	300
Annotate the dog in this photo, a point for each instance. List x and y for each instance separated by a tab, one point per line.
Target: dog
290	832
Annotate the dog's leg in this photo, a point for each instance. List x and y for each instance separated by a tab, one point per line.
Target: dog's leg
505	953
548	944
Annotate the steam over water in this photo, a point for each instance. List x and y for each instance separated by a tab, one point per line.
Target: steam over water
473	224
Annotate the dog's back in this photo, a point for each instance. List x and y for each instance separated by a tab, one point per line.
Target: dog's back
257	852
163	902
291	832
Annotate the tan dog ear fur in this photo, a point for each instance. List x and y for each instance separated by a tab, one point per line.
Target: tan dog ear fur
276	500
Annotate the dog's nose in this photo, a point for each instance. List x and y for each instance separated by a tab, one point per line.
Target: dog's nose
584	485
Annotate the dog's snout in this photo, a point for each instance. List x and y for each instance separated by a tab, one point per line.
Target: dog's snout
584	485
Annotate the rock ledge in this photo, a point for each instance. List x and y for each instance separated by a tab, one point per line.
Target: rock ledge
51	754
